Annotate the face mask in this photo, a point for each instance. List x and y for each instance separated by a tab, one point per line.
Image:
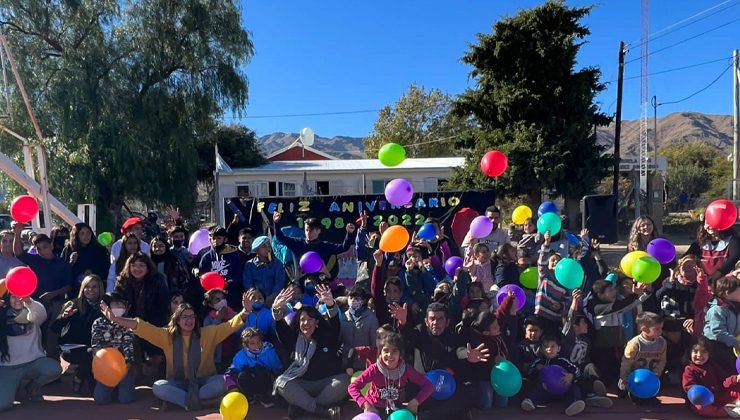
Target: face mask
257	306
118	312
178	243
220	305
310	289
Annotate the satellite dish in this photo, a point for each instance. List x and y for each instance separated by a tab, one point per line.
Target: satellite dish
307	137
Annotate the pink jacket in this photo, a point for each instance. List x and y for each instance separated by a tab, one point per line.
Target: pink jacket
377	381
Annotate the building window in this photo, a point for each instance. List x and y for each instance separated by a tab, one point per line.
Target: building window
322	187
288	189
243	191
254	189
379	186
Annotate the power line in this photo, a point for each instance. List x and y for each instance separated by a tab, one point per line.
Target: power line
312	114
700	90
676	68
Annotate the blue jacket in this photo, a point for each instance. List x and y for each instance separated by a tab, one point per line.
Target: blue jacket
722	323
263	321
266	358
269	277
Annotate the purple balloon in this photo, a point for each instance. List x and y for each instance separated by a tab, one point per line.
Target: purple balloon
481	227
366	416
518	294
199	241
33	251
662	250
737	364
311	262
399	192
551	377
452	264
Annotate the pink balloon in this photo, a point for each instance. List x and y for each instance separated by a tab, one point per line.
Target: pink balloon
366	416
198	241
399	192
481	227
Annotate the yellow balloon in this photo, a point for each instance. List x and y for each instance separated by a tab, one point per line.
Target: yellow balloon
234	406
629	259
394	239
521	214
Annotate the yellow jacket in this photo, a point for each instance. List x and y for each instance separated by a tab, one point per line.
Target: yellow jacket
210	337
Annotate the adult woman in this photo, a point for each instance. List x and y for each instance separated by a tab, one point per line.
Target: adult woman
74	325
59	236
188	350
131	246
314	380
85	254
642	232
21	354
177	275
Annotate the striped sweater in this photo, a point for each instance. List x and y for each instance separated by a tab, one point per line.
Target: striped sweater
552	298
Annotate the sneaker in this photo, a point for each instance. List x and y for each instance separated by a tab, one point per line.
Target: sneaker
599	388
335	413
264	402
601	402
733	412
575	408
528	405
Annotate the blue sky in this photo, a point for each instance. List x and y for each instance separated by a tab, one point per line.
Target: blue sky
334	56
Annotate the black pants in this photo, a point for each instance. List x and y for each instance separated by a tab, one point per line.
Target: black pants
255	381
83	359
607	363
457	407
590	374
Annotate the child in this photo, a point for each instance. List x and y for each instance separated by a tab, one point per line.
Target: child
218	312
645	351
676	295
527	349
108	334
176	299
370	353
550	355
702	371
260	317
507	271
177	239
723	322
388	378
551	296
478	264
254	368
531	240
358	327
678	341
417	283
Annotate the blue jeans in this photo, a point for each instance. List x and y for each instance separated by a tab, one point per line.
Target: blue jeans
41	371
489	398
104	394
175	391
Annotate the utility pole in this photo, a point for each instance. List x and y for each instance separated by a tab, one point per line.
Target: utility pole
618	118
736	122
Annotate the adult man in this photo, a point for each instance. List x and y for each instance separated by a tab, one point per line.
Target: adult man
132	225
223	258
497	236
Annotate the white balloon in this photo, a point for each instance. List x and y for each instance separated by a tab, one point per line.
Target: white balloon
307	137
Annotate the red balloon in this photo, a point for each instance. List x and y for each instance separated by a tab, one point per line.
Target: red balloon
720	214
24	208
494	163
212	280
21	282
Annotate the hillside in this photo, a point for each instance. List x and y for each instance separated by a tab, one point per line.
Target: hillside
340	146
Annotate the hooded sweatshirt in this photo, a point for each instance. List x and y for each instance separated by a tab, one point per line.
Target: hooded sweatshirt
227	263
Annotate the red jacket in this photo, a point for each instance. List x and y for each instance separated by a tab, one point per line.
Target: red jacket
725	389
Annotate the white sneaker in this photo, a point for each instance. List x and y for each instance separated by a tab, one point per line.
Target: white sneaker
528	405
601	402
732	412
575	408
599	388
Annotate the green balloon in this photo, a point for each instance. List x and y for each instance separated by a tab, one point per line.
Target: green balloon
402	414
506	379
569	273
529	278
105	238
646	270
549	222
391	154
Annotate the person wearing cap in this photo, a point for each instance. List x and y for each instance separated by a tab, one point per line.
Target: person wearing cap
131	225
223	258
264	271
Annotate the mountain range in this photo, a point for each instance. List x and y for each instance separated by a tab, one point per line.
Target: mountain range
676	127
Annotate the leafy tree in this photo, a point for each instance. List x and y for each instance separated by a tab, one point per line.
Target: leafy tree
418	119
237	145
531	103
126	91
696	168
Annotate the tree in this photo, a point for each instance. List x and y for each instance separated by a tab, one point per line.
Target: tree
417	121
696	168
125	91
237	145
531	103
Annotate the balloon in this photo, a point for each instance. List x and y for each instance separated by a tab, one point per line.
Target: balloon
234	406
198	241
427	232
569	273
547	207
494	163
529	278
105	238
662	250
394	239
700	395
24	208
33	251
643	383
646	270
452	264
443	382
366	416
3	288
402	414
354	377
521	298
506	379
481	227
212	280
521	214
629	260
311	262
399	192
109	367
551	377
737	362
391	154
21	282
573	240
720	214
549	222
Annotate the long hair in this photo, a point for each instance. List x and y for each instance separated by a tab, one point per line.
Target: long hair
82	307
4	350
637	240
123	256
173	326
125	278
703	237
74	237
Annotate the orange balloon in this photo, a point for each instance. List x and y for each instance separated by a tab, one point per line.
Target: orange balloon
394	239
109	367
3	288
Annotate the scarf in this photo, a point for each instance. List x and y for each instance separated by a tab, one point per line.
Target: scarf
192	400
16	323
392	374
304	351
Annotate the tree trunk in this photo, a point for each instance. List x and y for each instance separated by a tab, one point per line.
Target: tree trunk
534	199
573	211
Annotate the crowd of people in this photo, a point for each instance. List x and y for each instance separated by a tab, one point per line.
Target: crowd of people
310	342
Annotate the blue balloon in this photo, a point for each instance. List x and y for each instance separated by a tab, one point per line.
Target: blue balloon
573	240
700	395
643	383
443	383
427	232
547	207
